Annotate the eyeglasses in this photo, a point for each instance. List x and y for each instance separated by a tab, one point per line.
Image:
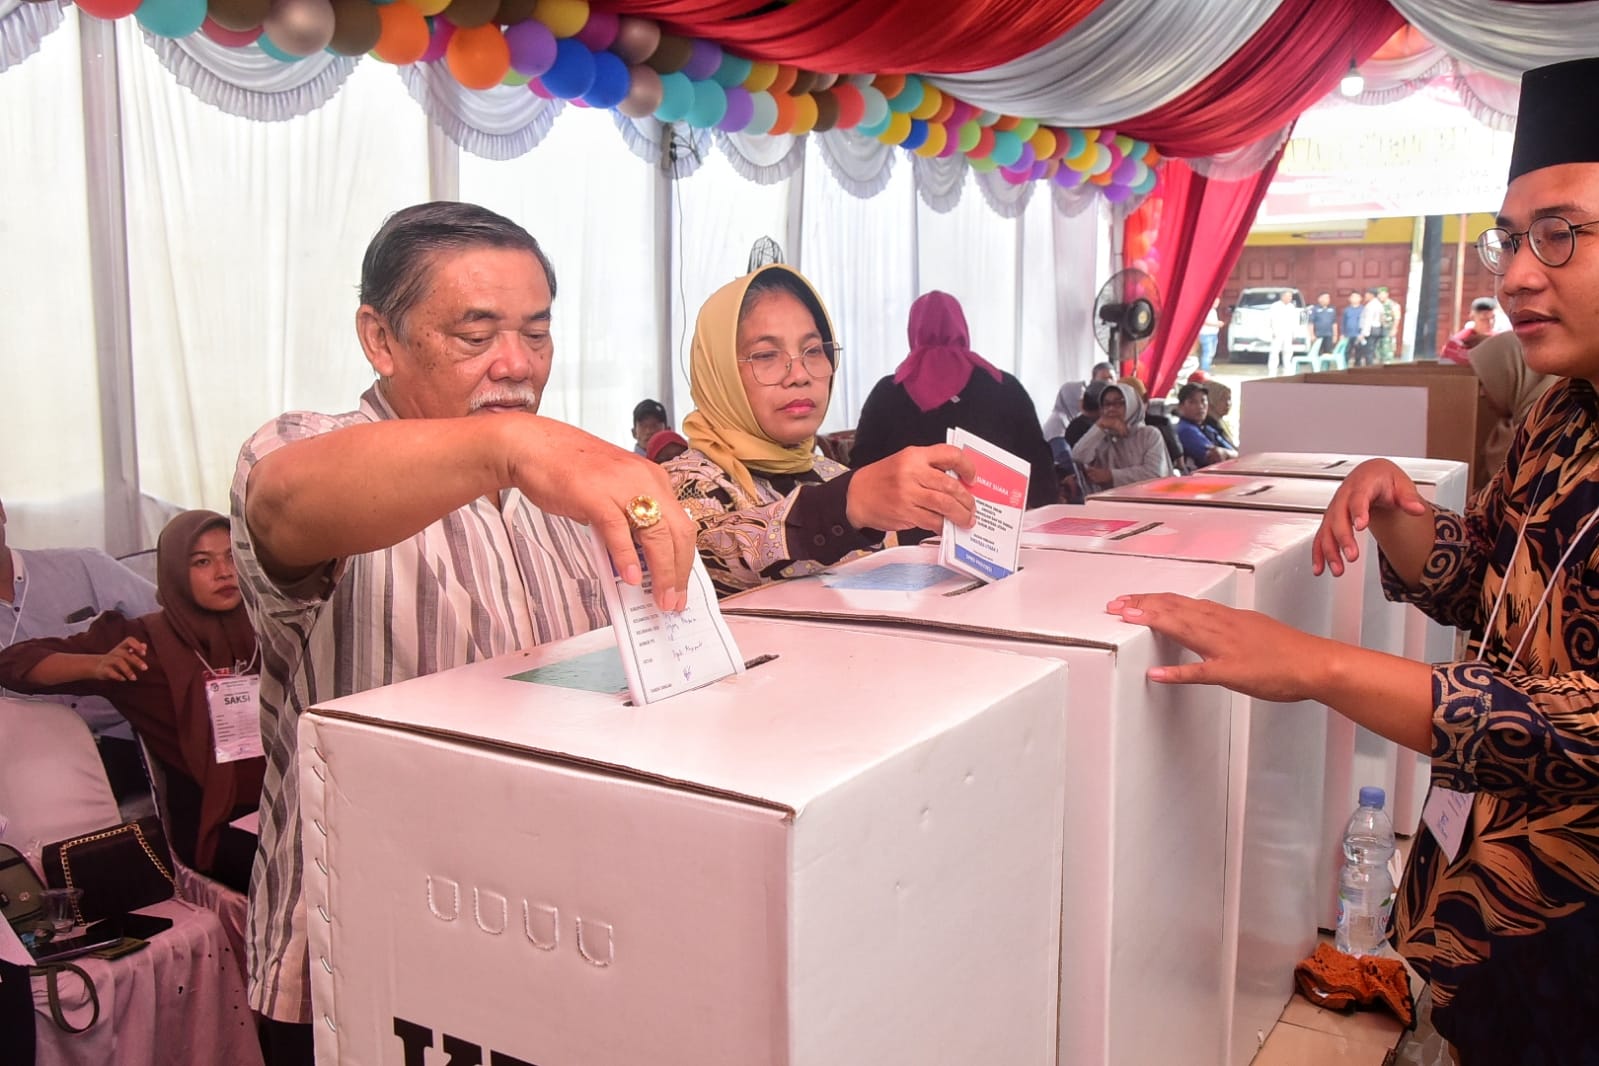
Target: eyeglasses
1553	240
769	366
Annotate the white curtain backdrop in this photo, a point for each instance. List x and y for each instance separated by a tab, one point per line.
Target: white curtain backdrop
23	26
591	207
244	243
51	478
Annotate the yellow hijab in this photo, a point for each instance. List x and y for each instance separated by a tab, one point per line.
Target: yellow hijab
722	424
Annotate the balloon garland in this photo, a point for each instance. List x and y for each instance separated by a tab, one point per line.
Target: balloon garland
568	50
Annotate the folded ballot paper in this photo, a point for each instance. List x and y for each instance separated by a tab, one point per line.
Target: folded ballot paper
991	549
665	653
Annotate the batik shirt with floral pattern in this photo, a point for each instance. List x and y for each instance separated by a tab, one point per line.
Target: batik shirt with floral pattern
1522	736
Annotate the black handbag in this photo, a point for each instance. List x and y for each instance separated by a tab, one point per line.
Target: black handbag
120	869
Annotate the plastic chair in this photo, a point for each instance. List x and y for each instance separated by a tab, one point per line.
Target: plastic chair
1308	360
1334	360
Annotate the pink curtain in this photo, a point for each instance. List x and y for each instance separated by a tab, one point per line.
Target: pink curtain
1202	230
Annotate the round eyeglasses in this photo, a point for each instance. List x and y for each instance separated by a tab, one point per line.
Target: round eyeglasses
1552	239
770	366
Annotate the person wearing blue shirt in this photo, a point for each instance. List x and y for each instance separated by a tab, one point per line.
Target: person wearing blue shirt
1349	319
1202	445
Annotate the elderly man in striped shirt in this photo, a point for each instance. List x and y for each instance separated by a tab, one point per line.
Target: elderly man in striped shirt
433	526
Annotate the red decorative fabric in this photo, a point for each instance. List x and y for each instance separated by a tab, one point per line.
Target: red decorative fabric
880	37
1203	226
1292	61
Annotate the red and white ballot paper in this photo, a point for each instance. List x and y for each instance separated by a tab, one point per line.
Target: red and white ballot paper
991	549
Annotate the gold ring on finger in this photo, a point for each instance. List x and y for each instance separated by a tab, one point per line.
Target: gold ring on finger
642	512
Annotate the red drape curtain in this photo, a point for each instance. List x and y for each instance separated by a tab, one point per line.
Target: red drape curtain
1292	61
871	36
1202	231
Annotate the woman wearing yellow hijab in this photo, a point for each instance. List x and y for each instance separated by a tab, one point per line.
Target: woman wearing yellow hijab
767	505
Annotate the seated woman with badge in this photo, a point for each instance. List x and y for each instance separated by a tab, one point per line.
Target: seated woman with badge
767	505
187	678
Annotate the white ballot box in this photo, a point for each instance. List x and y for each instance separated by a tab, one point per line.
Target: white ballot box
1146	806
1275	817
1440	481
850	853
1362	615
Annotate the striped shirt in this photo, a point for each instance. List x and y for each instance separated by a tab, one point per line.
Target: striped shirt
488	579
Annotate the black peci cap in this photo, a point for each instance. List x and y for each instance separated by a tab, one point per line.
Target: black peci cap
1554	121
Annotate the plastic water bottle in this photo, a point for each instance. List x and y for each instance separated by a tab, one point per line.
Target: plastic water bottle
1365	889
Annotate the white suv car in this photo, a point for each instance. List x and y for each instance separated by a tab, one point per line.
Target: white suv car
1249	328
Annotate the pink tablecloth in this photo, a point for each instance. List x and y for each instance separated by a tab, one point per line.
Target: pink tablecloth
178	1002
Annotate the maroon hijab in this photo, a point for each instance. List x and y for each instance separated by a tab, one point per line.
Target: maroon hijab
181	633
941	360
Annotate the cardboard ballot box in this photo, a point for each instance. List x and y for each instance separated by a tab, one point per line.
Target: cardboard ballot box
1275	802
1146	807
1440	481
851	853
1362	615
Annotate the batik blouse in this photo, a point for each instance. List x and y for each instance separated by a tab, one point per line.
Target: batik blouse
1524	737
793	526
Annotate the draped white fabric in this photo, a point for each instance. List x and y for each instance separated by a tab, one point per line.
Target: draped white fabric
246	81
862	165
51	479
244	255
591	207
23	26
500	123
1241	163
716	216
1505	38
1123	59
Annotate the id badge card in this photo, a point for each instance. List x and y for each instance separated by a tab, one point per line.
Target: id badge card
235	704
1446	814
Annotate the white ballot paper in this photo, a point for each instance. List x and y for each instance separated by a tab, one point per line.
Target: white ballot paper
991	549
665	653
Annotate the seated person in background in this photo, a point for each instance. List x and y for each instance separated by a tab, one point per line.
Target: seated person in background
153	669
942	385
767	506
1085	421
649	418
1510	387
1202	446
665	446
1120	449
1221	405
1069	401
56	592
1479	329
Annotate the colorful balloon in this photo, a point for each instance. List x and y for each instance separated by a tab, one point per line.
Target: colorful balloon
672	54
851	105
826	111
226	37
565	18
478	56
172	18
740	109
403	36
785	113
467	14
299	27
430	8
533	49
874	106
933	143
636	39
611	82
1007	148
898	128
909	97
710	104
240	16
357	27
705	57
439	33
732	70
763	113
600	31
643	94
572	74
806	112
916	137
761	76
931	101
677	96
264	43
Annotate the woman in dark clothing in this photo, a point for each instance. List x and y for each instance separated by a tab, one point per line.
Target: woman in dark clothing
943	385
155	669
